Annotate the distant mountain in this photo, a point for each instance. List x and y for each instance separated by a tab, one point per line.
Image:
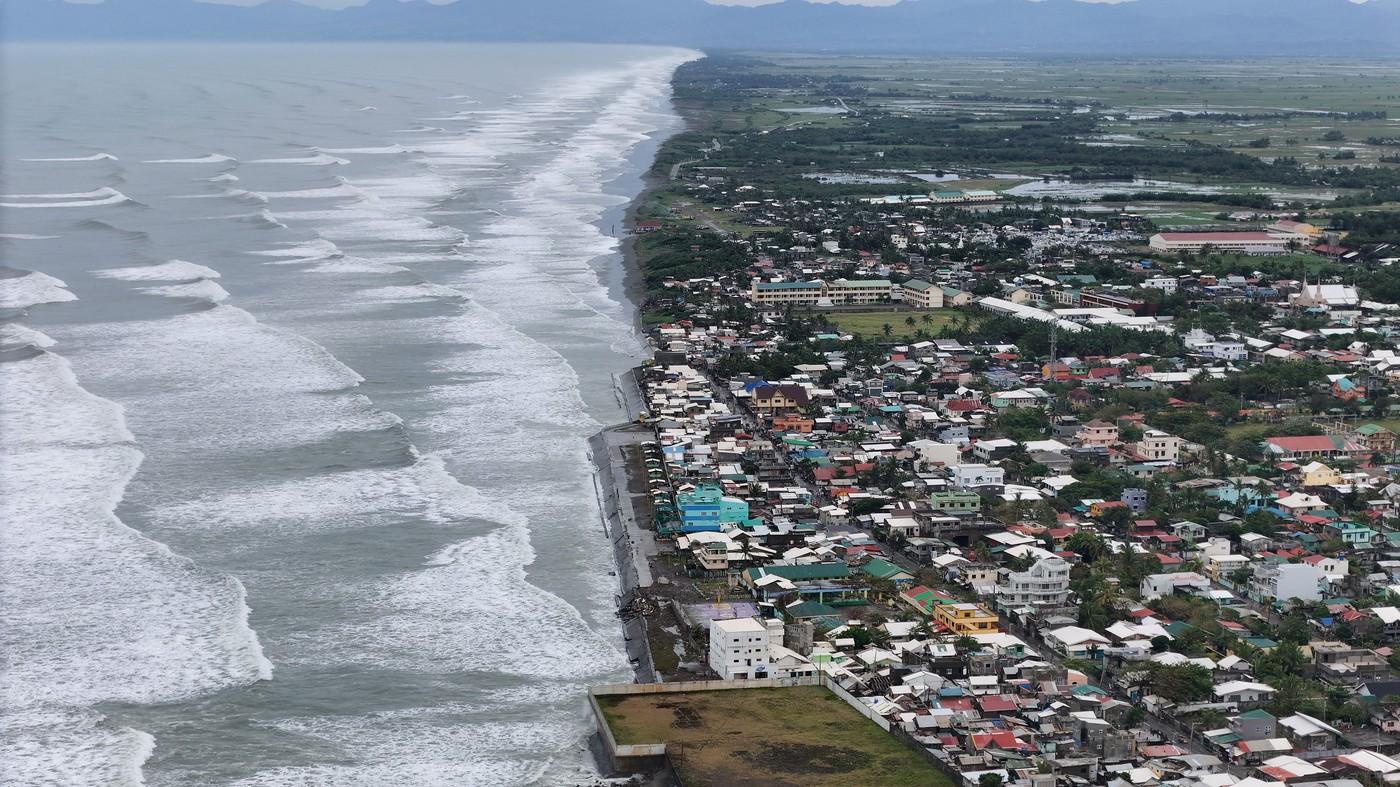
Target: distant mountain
1057	27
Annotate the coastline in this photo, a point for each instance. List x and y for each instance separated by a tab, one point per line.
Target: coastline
617	479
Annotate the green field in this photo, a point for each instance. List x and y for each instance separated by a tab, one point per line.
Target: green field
796	736
872	323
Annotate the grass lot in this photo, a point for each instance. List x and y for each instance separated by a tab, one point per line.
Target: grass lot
797	736
870	323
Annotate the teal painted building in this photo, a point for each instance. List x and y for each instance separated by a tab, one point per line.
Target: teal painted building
706	507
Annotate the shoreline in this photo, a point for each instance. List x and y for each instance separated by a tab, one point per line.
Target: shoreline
615	481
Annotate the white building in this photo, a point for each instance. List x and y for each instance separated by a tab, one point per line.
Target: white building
972	476
933	453
750	648
1285	581
1044	584
1245	242
1166	284
1158	446
1158	585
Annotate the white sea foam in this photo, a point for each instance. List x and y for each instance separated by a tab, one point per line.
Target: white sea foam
25	236
32	289
425	291
318	159
223	177
174	270
100	192
70	748
93	157
212	158
430	748
94	611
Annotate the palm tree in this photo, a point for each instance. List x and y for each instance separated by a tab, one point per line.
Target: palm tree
887	329
909	321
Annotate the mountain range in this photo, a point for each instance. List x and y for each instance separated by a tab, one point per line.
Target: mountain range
1179	28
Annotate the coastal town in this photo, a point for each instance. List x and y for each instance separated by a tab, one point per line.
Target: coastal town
1049	496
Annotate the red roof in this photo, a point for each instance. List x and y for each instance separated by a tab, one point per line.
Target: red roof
1320	442
997	704
1001	740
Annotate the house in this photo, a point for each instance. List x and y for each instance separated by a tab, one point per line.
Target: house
933	453
1158	446
966	619
1244	694
1315	474
1309	734
769	399
975	476
1158	585
1098	433
1076	643
1044	584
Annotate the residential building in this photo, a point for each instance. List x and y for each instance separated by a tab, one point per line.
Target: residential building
1044	584
1158	585
974	476
1097	433
706	508
770	399
1158	446
966	619
1285	582
1244	694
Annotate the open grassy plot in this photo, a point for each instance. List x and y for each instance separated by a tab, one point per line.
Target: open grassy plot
797	736
872	323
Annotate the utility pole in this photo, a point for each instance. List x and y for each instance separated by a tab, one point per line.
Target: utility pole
1054	341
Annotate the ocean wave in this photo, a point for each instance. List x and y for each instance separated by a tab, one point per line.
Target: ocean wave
14	335
212	158
31	289
204	290
86	199
174	270
25	236
318	159
93	157
373	150
223	177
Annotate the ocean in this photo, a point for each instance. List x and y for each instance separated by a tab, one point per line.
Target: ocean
300	350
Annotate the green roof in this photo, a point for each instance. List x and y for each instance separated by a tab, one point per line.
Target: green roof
802	573
810	609
1369	429
882	569
917	284
1259	713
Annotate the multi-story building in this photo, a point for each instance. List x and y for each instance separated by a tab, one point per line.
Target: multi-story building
1285	581
966	619
1158	446
706	507
1100	433
1044	584
751	648
921	294
860	291
785	293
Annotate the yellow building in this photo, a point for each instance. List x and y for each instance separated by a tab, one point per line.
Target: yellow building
966	619
1315	474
